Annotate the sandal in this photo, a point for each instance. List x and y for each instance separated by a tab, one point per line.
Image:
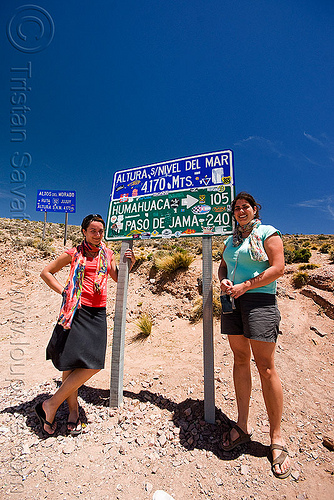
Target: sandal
42	418
243	438
74	431
279	460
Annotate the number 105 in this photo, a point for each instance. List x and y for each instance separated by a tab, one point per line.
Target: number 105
219	198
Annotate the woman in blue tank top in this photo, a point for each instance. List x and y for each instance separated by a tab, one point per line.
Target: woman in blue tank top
253	259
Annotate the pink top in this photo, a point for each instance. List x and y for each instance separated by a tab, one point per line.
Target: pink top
88	296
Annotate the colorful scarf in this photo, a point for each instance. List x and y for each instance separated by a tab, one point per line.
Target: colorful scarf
73	288
256	248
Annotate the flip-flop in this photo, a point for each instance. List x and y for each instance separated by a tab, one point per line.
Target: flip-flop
42	418
74	431
279	460
243	438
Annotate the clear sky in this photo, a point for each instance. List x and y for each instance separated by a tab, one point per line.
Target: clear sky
134	82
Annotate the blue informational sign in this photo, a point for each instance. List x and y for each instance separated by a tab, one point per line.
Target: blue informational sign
55	201
201	171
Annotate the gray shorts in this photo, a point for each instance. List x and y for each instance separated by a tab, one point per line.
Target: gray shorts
256	316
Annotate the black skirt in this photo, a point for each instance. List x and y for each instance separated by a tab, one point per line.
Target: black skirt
84	344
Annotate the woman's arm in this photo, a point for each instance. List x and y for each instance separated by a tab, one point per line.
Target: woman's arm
273	246
47	274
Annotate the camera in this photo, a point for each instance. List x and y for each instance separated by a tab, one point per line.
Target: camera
227	303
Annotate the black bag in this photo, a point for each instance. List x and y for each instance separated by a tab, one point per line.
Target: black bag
227	304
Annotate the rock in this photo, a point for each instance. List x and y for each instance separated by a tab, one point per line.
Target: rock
148	487
68	448
244	469
328	442
140	440
323	300
161	495
26	449
177	463
295	475
322	279
314	329
162	439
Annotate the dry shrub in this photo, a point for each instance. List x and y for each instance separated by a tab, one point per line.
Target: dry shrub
170	263
304	267
300	279
197	310
144	325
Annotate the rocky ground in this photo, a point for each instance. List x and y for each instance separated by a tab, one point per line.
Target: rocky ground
158	439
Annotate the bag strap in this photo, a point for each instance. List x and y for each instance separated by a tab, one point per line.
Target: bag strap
235	266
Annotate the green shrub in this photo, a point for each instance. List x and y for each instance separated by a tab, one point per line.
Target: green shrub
288	255
300	279
217	255
331	257
303	267
325	248
170	263
144	325
197	310
44	247
296	254
302	255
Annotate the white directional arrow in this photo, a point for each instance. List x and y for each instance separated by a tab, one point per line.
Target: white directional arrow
189	201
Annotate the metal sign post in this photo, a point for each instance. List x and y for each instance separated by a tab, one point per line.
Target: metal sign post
208	347
44	225
117	362
65	231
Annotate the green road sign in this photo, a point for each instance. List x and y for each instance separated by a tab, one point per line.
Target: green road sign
185	197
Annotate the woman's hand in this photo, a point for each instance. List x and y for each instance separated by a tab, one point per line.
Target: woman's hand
130	255
56	265
236	290
225	285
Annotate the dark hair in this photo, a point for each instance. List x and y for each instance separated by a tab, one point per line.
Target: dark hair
89	218
248	197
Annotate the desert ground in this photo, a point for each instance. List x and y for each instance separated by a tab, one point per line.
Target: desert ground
158	438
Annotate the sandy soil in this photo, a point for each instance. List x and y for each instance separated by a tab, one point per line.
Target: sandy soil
158	438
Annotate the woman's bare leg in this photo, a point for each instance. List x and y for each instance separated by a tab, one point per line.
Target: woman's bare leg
72	402
242	383
69	387
264	353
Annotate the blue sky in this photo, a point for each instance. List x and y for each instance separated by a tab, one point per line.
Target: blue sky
129	83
